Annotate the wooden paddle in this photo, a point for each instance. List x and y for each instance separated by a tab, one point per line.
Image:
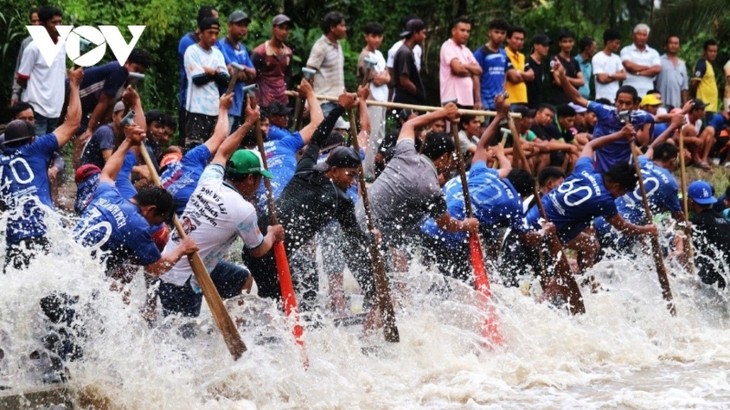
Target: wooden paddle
382	288
288	296
656	249
212	297
685	205
564	283
490	327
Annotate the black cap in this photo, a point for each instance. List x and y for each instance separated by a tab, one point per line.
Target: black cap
278	109
340	157
541	39
238	16
208	23
413	26
17	131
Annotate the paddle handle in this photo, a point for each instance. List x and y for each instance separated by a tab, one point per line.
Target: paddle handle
223	320
382	287
517	143
685	205
656	249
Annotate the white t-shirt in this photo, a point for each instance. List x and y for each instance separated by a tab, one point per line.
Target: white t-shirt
649	58
417	53
378	92
215	214
605	64
46	87
203	99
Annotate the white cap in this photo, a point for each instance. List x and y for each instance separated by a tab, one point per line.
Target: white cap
345	125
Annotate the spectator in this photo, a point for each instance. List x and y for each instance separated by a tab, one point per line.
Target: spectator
378	78
573	73
587	49
469	133
207	73
417	50
494	62
103	86
458	70
408	85
698	139
726	94
42	81
100	146
272	60
516	79
186	41
328	59
704	85
607	67
537	61
672	81
17	89
642	62
234	51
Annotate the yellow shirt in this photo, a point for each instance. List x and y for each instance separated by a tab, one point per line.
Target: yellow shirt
707	90
517	92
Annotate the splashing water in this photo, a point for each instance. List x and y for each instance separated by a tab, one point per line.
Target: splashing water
627	351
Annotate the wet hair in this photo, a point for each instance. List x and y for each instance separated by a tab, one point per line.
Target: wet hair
622	174
460	19
584	43
437	144
548	174
565	33
374	29
46	13
141	57
610	35
522	180
665	152
565	110
205	12
516	29
499	24
158	197
16	109
465	119
330	20
708	43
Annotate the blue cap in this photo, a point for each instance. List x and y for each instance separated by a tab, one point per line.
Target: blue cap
701	192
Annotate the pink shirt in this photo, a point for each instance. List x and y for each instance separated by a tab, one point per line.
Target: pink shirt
452	86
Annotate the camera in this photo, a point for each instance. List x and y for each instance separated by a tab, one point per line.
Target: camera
624	117
128	119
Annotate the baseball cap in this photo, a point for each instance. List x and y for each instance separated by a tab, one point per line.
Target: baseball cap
579	109
119	106
698	104
340	157
413	26
335	139
280	19
238	16
170	158
650	99
342	124
701	192
18	130
278	109
245	162
208	23
541	39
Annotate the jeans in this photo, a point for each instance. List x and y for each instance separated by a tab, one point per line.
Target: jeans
227	277
44	125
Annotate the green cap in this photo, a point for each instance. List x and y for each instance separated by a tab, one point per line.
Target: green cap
244	162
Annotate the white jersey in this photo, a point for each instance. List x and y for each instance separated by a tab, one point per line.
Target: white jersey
215	214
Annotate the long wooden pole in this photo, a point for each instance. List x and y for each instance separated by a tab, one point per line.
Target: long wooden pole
685	205
656	249
490	327
217	309
282	262
382	287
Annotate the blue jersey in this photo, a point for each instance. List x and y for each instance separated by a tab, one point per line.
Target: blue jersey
608	123
113	224
659	128
108	79
25	188
574	203
661	190
494	66
281	158
240	56
277	133
181	177
495	203
717	122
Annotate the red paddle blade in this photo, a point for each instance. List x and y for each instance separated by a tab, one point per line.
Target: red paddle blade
490	327
288	296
